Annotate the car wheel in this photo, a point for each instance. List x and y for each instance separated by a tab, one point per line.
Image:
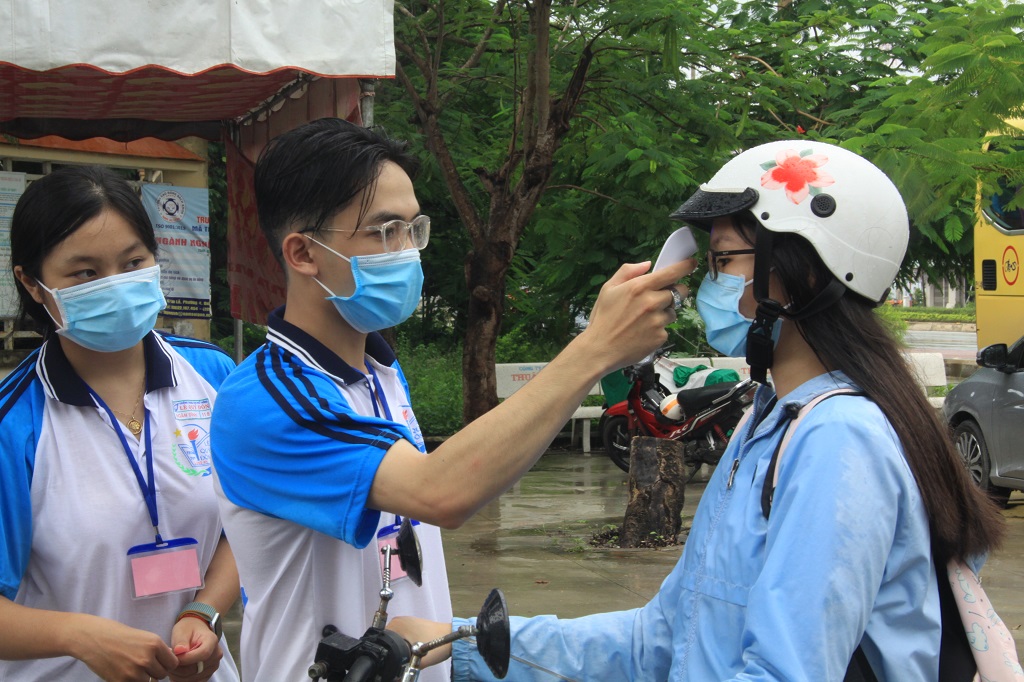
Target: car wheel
616	438
970	444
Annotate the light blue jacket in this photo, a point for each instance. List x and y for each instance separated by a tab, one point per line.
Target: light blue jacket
844	559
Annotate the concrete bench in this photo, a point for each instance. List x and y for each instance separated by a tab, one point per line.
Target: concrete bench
928	368
513	376
930	371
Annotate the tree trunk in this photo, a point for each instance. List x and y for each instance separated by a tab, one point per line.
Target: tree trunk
485	276
656	492
542	119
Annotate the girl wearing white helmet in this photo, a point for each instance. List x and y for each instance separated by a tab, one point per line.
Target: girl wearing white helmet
826	568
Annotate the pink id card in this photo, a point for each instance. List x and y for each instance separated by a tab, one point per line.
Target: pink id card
158	569
396	566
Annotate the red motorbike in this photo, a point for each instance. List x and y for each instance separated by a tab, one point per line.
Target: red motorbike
706	416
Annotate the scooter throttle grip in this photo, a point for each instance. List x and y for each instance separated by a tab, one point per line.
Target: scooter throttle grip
363	670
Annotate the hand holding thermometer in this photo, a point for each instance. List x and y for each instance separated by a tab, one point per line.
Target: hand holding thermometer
679	246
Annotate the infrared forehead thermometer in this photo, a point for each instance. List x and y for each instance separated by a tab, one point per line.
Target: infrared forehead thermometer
680	245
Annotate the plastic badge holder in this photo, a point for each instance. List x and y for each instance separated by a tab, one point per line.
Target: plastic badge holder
388	535
165	568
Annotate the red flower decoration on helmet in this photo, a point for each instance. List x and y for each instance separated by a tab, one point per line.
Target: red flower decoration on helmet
798	172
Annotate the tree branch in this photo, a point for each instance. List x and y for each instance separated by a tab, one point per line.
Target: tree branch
481	46
776	74
537	97
589	191
428	118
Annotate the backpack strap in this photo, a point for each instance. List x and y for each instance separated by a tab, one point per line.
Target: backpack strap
859	669
771	477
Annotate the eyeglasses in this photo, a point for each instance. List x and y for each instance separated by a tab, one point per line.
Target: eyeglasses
395	235
713	257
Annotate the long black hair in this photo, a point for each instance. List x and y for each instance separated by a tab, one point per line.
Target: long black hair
56	205
849	336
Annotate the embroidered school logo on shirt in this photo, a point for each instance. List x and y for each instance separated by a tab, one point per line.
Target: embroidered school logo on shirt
414	425
191	447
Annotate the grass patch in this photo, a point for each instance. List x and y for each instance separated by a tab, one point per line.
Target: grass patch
921	314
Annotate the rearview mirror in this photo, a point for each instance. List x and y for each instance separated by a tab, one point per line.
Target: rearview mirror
993	357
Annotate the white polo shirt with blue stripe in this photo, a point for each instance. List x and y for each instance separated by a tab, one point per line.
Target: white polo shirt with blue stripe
70	506
297	440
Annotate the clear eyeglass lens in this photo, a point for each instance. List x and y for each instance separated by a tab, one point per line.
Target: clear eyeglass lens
394	234
397	235
420	232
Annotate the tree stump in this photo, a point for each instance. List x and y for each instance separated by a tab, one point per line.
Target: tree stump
656	491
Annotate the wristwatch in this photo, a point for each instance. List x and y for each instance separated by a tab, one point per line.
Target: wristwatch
204	612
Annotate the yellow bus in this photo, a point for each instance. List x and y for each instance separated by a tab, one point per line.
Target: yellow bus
998	248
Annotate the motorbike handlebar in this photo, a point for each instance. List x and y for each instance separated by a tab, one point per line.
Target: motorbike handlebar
363	670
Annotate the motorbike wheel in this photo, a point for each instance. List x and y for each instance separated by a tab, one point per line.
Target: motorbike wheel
616	438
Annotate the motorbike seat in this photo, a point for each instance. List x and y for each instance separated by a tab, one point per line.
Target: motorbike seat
693	400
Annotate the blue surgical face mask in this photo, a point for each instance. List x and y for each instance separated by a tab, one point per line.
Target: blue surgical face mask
388	287
112	313
718	303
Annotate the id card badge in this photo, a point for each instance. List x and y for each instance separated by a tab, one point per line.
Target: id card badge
164	568
387	536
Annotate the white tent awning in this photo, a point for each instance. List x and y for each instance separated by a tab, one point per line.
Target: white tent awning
324	37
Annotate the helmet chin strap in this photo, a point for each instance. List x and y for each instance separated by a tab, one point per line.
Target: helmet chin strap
760	342
760	346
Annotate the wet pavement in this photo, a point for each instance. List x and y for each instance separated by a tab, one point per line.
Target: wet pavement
533	543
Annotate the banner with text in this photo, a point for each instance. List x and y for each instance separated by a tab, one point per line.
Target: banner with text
12	185
181	220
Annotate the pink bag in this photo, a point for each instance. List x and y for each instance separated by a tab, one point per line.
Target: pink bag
991	642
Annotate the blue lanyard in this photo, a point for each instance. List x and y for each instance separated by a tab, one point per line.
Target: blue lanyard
148	488
377	392
395	527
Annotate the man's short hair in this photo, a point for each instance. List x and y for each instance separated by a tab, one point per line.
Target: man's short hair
305	176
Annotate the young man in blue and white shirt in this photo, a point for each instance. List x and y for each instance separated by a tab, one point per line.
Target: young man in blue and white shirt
314	435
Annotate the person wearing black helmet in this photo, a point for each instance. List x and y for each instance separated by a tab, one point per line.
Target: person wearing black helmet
824	564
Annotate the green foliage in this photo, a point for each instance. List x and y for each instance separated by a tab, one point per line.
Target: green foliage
673	89
519	345
253	336
687	335
434	374
923	314
939	128
893	321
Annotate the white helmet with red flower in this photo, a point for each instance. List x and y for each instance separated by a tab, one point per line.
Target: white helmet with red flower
848	209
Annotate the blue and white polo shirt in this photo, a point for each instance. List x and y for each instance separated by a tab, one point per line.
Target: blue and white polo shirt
297	439
70	506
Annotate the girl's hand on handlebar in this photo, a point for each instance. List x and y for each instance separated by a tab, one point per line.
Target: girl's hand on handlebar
415	630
